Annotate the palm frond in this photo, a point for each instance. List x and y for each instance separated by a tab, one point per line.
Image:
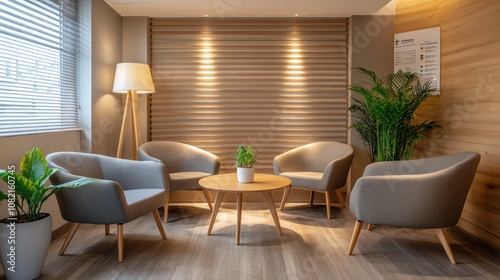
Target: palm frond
385	118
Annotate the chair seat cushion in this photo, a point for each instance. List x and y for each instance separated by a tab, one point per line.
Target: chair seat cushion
186	180
305	179
140	200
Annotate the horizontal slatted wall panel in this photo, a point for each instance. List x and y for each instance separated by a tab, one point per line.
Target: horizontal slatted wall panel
272	83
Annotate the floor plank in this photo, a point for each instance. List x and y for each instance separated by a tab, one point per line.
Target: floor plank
312	247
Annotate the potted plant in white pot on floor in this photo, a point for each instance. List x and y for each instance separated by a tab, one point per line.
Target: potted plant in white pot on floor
245	159
26	233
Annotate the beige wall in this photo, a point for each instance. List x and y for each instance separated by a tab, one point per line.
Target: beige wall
107	107
469	104
371	47
135	46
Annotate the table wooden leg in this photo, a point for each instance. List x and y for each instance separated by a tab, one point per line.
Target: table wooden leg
218	199
239	204
269	199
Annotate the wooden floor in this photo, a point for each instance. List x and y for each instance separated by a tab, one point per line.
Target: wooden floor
311	248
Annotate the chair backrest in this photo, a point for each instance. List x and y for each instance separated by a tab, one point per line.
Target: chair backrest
177	156
458	173
316	156
82	164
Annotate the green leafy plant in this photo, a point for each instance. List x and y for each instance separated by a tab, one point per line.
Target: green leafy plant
245	156
385	118
27	190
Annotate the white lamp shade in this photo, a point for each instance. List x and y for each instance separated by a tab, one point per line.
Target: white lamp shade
133	76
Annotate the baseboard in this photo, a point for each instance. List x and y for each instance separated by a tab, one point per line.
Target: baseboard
472	241
60	231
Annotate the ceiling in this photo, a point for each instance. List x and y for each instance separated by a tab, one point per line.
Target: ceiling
251	8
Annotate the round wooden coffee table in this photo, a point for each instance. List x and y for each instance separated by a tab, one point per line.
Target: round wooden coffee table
263	183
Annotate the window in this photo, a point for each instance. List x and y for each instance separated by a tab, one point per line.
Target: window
38	66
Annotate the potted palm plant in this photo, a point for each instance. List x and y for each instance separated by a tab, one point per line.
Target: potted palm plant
385	117
245	159
25	234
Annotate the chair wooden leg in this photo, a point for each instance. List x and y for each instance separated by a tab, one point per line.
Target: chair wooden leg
72	230
156	214
165	212
355	234
369	227
328	210
444	241
285	197
340	197
106	229
207	198
119	231
311	198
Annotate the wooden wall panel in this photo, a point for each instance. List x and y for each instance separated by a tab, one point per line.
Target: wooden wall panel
272	83
468	108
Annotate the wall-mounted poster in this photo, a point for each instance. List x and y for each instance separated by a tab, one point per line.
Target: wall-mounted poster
420	52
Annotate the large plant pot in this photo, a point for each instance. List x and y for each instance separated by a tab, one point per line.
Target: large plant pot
245	175
25	258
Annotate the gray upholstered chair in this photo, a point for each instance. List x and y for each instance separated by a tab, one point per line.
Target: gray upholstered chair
124	191
318	167
422	193
186	165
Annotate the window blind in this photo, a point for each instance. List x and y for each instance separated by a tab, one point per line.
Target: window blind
272	83
38	66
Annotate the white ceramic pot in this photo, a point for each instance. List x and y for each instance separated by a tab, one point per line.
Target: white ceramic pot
245	175
24	247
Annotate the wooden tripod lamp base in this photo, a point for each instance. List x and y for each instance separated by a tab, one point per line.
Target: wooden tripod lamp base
131	108
132	79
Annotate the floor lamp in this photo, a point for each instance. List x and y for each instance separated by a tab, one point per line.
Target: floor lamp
132	79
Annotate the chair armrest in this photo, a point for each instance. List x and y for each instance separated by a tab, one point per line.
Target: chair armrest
336	172
289	161
132	174
100	201
144	156
204	161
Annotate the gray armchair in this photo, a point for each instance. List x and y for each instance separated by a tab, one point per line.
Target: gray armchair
318	167
124	191
186	165
422	193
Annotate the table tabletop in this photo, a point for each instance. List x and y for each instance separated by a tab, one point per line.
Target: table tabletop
228	182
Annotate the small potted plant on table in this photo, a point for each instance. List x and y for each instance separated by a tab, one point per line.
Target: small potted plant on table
245	159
